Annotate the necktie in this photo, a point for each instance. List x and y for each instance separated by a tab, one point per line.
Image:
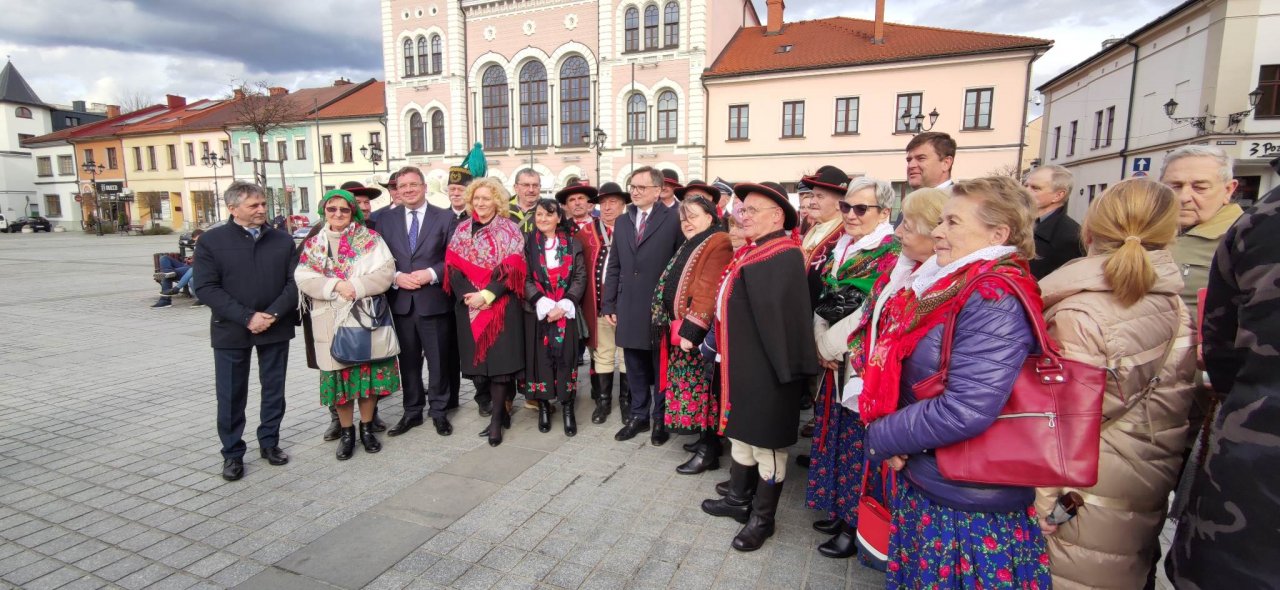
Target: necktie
255	232
413	231
644	220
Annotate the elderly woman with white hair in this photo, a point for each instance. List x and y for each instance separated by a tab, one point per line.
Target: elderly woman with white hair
867	250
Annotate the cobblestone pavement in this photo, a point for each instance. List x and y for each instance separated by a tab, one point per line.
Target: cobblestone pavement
109	470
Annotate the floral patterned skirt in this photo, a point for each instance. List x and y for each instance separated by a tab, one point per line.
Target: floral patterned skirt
836	461
374	379
692	403
932	546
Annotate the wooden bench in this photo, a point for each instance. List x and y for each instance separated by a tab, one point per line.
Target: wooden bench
134	229
156	269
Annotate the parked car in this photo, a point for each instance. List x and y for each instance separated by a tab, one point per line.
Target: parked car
36	223
185	242
4	223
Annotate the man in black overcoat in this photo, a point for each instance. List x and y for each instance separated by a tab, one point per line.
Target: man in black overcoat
645	237
764	336
1057	234
244	273
417	234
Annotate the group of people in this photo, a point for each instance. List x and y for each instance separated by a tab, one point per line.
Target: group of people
721	311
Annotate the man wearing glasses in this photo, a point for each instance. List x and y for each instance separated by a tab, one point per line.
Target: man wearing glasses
646	237
528	191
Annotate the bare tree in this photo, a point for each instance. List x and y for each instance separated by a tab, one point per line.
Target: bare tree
1010	170
263	109
133	99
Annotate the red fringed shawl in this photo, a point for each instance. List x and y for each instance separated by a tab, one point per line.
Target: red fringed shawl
493	252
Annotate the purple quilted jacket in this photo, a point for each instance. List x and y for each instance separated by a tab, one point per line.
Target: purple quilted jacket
993	338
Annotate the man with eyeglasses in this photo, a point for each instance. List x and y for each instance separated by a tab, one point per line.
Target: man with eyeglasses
417	232
528	191
646	237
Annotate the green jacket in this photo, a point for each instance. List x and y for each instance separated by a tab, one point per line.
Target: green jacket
1193	252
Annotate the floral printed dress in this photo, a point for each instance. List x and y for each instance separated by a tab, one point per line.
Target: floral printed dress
556	273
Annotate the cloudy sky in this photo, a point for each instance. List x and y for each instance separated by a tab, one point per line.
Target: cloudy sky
111	50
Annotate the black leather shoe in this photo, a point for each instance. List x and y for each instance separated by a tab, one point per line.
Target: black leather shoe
544	416
346	444
484	411
334	430
632	428
706	458
570	420
692	447
377	425
274	455
368	440
404	425
841	546
443	427
802	461
806	431
736	504
722	488
232	469
827	527
659	436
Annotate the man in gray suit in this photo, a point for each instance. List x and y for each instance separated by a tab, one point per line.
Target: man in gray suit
417	233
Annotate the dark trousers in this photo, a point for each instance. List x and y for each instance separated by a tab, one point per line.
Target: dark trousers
429	337
231	375
483	390
452	362
641	374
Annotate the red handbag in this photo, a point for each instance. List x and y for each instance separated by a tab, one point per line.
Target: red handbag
675	332
874	518
1048	433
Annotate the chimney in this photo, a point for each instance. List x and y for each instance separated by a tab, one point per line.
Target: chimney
341	82
238	94
774	25
878	37
113	111
174	101
78	106
278	91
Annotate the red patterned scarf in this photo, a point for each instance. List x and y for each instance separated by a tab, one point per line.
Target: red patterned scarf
492	252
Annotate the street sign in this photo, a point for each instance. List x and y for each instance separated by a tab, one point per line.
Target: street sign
79	198
1141	165
111	187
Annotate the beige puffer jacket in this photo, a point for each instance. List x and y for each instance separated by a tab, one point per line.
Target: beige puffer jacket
1111	541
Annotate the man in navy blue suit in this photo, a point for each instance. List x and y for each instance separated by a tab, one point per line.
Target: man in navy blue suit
417	233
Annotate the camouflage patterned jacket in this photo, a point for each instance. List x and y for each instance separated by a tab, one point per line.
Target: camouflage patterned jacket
1229	534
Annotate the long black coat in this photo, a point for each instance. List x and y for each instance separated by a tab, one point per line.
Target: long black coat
538	361
434	232
634	269
1057	243
237	276
769	350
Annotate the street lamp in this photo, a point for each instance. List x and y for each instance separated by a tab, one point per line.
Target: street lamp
214	161
93	169
372	153
1206	122
907	120
595	140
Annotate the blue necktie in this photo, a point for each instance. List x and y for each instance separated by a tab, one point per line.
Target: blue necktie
253	231
413	231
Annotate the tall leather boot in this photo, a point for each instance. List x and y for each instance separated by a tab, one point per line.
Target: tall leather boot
367	439
335	428
624	399
544	416
737	503
595	385
760	525
706	458
570	420
347	443
722	488
604	401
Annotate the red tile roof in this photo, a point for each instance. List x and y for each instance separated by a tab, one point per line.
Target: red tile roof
841	41
176	118
96	128
369	101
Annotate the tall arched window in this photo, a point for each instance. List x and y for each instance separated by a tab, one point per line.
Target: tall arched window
651	26
422	56
575	100
632	26
533	105
637	118
494	102
408	58
667	109
671	25
417	142
437	55
437	132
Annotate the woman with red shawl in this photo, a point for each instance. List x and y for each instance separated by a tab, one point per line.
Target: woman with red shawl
485	272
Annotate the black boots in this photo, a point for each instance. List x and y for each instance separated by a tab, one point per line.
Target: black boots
544	416
602	392
570	420
761	522
377	425
624	399
827	527
705	458
367	439
346	443
335	427
841	546
737	503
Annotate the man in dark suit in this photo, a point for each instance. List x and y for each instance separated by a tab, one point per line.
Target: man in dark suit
417	233
1057	234
244	273
646	237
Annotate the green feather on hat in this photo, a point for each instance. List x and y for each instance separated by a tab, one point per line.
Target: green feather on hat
473	166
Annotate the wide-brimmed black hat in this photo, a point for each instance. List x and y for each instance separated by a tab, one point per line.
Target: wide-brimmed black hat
391	182
610	189
828	177
776	193
581	188
460	175
671	178
354	187
699	185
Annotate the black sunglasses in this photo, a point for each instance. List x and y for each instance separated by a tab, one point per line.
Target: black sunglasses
860	210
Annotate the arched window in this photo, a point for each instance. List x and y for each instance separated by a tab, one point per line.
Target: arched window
408	58
632	26
494	102
575	101
23	113
671	25
422	56
437	56
417	143
437	132
637	118
533	105
651	26
667	109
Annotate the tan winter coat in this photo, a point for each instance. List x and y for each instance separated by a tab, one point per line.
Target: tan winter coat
1111	541
326	303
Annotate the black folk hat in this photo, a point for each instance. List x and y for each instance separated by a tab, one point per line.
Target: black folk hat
830	178
671	178
580	188
460	175
611	189
698	185
774	192
356	188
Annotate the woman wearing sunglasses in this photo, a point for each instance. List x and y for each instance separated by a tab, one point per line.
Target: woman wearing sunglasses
341	264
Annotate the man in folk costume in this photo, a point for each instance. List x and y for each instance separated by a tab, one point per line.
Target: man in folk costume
764	337
670	183
576	200
597	242
459	178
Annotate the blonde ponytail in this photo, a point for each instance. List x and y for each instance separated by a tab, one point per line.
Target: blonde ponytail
1129	219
